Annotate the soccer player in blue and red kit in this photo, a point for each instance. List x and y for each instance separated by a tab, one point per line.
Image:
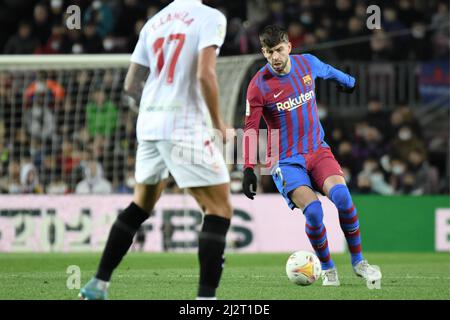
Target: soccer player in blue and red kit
283	93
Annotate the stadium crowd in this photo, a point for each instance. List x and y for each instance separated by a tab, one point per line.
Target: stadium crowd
81	138
78	136
112	26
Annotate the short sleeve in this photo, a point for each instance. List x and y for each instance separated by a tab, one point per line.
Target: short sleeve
213	31
140	54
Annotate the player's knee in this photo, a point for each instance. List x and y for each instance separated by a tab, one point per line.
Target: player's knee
340	195
314	213
222	209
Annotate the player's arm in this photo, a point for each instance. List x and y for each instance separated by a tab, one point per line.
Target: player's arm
207	77
253	113
134	81
346	83
139	68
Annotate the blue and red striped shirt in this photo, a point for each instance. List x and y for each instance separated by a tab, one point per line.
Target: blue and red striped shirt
288	105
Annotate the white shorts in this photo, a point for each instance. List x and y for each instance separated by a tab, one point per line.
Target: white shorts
192	164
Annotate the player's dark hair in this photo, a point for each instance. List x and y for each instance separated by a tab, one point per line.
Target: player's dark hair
272	35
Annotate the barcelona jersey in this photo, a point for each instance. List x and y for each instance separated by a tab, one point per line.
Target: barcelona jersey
287	104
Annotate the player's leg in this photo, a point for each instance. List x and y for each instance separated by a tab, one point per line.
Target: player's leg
336	189
150	174
294	184
120	238
327	173
125	227
204	173
216	204
305	199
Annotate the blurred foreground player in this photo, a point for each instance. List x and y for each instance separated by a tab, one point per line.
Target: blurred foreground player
176	59
283	93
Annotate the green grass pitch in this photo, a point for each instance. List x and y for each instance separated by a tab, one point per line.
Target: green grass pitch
160	276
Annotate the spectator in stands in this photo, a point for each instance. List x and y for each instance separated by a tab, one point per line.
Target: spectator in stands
441	38
68	159
407	12
398	170
405	143
48	92
39	120
406	184
49	167
355	28
4	151
92	42
343	11
132	40
346	157
65	118
427	176
127	184
371	170
29	181
23	42
276	14
363	185
56	43
390	21
369	142
296	34
131	11
235	39
13	183
101	114
93	183
99	14
4	158
381	46
57	185
56	11
74	43
376	116
41	23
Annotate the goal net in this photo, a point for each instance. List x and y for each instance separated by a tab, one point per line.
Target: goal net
64	118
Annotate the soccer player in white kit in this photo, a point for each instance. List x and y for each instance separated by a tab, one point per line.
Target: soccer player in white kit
172	75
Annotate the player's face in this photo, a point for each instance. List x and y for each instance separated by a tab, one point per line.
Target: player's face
278	56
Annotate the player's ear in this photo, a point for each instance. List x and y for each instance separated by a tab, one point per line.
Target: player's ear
264	51
289	47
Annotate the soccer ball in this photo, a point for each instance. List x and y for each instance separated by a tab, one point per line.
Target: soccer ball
303	268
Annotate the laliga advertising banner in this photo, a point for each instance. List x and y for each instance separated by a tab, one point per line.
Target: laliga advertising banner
81	223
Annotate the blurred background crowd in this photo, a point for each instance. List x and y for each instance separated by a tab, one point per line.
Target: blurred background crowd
73	133
112	26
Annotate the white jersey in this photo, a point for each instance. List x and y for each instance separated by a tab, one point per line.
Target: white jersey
172	106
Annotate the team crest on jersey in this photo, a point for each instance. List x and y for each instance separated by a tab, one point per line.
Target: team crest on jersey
307	80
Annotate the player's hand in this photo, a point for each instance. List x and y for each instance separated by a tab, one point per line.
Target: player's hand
249	183
342	88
